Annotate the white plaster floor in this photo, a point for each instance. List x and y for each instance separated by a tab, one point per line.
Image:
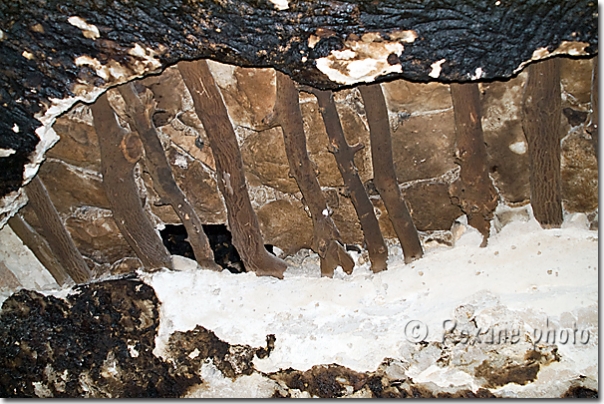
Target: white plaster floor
526	282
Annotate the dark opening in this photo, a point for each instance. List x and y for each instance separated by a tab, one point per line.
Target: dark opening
225	253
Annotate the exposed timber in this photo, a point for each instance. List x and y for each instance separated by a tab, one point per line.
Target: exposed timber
230	176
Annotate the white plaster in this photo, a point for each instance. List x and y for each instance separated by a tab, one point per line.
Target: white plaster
436	68
280	4
88	30
48	138
362	68
16	128
132	350
519	147
27	55
408	36
525	276
181	161
566	48
360	61
223	74
138	51
23	263
7	152
478	73
148	59
345	54
325	212
100	70
216	385
1	35
10	205
445	377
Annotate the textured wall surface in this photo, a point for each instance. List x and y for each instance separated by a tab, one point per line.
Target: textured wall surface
423	134
55	54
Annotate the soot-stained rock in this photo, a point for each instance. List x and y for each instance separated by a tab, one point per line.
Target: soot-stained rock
96	343
324	381
580	392
56	52
189	350
507	370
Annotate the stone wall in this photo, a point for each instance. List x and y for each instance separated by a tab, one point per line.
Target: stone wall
423	135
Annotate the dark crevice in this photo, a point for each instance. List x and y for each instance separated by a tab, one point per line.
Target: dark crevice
225	253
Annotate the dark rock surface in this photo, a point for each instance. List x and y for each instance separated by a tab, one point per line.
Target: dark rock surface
49	52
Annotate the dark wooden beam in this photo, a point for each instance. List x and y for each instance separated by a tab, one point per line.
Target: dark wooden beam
40	248
230	175
56	234
120	151
344	155
384	175
140	117
474	191
542	110
327	241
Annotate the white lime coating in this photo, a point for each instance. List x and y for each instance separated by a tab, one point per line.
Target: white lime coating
88	30
526	276
519	147
280	4
436	68
7	152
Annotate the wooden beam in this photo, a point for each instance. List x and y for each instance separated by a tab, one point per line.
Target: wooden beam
230	176
384	174
40	248
474	191
140	119
120	151
542	110
344	155
327	241
55	233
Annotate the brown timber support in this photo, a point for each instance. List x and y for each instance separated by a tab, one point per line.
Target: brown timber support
385	179
230	176
592	127
327	241
140	119
120	150
344	155
40	248
473	192
541	123
55	232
